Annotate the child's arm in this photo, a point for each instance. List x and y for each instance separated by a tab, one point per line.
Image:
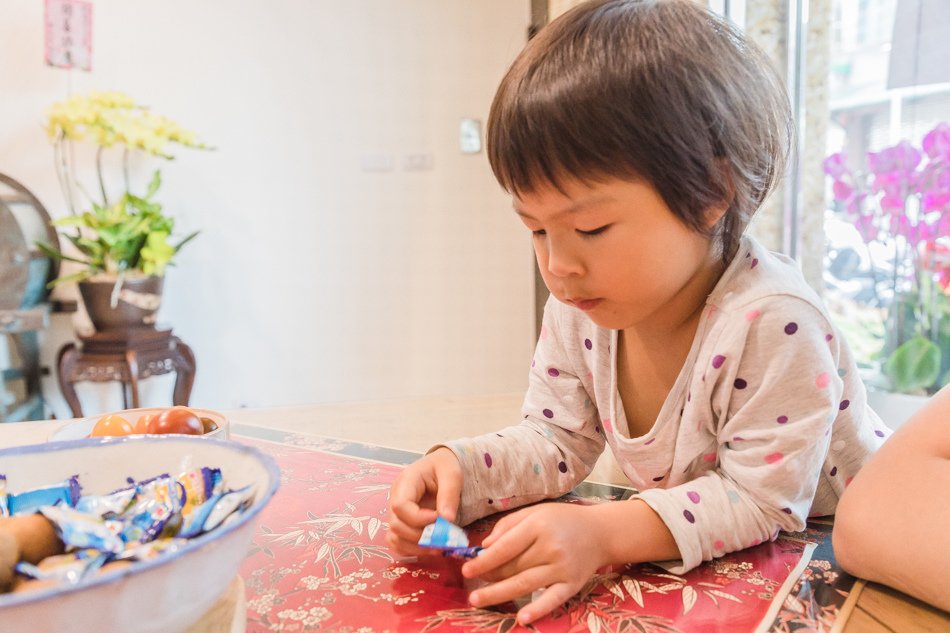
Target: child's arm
788	411
555	446
893	523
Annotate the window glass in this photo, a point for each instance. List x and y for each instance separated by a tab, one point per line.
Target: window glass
887	263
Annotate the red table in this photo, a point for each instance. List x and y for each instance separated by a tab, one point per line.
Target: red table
319	562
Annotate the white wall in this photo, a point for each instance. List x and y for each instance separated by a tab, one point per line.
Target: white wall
312	280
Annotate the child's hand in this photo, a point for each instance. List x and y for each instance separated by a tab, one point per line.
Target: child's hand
552	546
426	489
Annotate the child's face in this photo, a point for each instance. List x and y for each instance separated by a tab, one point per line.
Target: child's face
616	251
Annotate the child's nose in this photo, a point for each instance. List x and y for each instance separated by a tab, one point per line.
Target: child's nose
562	261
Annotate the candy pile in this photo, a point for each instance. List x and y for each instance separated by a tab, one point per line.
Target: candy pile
55	534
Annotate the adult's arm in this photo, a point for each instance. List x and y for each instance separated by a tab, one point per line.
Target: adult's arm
893	523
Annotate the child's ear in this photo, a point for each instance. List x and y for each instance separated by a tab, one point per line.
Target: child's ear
715	212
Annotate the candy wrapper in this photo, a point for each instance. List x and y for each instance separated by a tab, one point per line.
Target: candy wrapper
65	492
449	538
68	568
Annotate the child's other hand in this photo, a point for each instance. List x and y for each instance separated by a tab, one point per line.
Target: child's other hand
426	489
552	546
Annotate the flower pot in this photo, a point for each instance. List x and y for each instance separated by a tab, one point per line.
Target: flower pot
136	305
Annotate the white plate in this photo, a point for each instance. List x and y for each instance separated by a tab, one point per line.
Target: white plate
164	595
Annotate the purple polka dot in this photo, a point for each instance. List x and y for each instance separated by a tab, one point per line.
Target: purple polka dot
548	413
689	516
782	419
834	471
844	404
597	428
740	383
649	441
488	460
791	328
693	496
689	395
828	337
718	360
879	433
562	466
738	438
553	372
532	363
588	344
755	262
787	510
660	478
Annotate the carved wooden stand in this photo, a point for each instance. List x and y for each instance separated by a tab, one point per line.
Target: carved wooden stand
126	356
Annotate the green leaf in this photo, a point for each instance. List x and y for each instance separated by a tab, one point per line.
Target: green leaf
186	240
84	274
913	366
155	183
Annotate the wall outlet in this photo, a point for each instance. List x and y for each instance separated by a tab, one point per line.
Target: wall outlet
376	161
418	161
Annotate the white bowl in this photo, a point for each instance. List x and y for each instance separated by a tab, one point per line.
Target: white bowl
163	595
81	428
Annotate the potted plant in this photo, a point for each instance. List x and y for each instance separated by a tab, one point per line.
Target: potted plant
899	202
124	242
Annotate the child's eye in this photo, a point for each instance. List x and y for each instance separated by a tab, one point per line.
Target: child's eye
594	232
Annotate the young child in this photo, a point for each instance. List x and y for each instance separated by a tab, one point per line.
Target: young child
637	139
891	525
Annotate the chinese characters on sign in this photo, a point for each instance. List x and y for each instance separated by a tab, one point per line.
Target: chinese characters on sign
69	34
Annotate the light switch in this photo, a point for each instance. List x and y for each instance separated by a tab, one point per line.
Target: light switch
470	136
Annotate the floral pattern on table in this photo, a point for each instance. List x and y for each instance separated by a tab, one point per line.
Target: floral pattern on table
319	563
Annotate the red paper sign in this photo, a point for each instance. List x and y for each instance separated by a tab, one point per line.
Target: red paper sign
69	34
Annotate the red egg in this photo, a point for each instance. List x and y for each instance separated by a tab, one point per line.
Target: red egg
141	425
177	420
111	425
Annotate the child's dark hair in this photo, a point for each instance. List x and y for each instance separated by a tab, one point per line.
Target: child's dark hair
662	90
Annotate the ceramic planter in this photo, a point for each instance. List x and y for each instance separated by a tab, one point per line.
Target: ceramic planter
136	302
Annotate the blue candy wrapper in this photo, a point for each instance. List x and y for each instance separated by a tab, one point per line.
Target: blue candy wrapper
66	492
448	538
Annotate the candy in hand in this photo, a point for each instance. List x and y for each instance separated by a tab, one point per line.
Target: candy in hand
449	538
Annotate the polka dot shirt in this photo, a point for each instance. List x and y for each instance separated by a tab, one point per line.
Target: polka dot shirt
765	425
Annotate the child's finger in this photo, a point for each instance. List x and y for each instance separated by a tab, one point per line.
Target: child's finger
504	549
505	524
549	600
404	503
413	515
404	547
447	497
403	531
519	585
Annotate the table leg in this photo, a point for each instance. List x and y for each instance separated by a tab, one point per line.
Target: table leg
65	363
185	375
132	362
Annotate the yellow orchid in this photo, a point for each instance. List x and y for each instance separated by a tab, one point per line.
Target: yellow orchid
132	233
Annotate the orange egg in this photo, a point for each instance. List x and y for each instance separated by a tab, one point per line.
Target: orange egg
111	425
141	425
